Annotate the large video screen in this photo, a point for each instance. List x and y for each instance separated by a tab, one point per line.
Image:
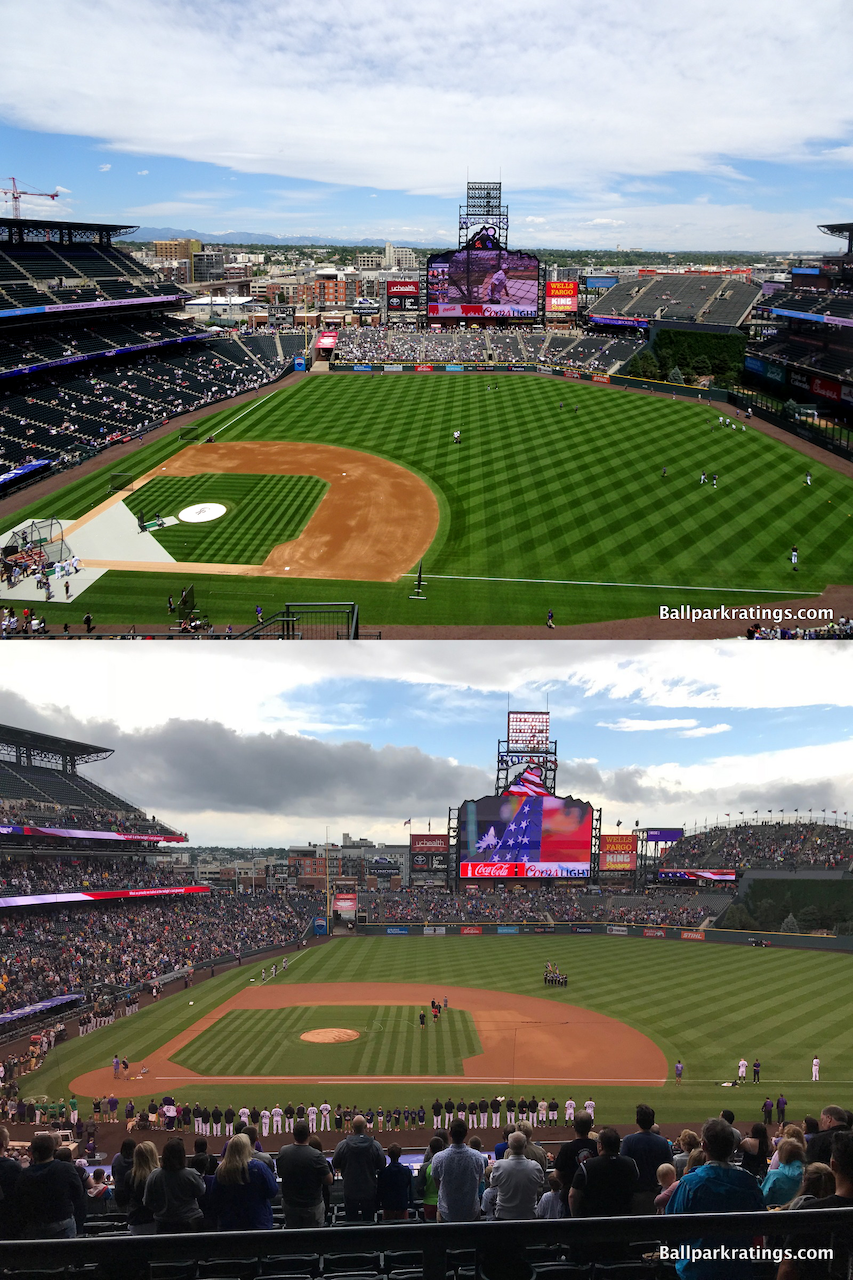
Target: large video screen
492	283
526	836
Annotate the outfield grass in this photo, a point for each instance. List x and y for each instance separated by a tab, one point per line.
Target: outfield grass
262	511
391	1042
536	504
706	1003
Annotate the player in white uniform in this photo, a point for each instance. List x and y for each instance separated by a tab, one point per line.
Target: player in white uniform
570	1111
741	1069
703	479
277	1113
244	1115
795	555
265	1122
325	1111
543	1111
589	1106
312	1118
815	1068
808	477
457	437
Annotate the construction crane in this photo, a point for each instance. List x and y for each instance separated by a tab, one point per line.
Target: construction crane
17	195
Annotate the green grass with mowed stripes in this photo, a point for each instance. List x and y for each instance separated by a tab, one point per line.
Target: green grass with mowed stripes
541	507
706	1003
261	512
390	1042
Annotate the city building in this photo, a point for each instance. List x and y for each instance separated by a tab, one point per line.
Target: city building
171	249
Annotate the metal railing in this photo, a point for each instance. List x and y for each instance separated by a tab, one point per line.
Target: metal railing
500	1246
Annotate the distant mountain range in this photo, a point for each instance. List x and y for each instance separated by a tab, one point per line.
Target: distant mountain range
260	237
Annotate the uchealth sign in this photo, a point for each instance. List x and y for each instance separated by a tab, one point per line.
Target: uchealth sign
693	935
430	843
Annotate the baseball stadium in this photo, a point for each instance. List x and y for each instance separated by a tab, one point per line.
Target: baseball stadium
470	996
508	465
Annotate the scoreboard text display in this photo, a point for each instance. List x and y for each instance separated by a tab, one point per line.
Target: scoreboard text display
561	295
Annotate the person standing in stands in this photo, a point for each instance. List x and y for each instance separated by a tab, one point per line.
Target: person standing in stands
173	1191
359	1158
394	1187
242	1190
457	1171
304	1172
648	1150
48	1195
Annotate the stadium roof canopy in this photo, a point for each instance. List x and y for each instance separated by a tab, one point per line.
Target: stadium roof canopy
61	231
24	747
843	230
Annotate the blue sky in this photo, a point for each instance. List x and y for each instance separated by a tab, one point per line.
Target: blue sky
362	739
658	125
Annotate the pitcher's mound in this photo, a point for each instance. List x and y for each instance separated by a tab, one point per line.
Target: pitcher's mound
329	1035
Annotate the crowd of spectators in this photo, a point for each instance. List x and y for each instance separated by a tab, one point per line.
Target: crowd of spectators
501	904
38	813
840	630
784	846
83	947
20	876
596	1174
68	415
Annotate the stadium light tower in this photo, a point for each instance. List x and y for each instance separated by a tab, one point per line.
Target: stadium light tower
17	196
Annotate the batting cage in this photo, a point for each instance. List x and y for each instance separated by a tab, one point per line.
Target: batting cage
37	544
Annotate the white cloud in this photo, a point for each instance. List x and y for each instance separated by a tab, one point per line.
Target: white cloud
64	190
704	730
141	172
104	168
644	726
678	677
679	61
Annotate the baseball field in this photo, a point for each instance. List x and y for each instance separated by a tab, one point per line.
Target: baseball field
632	1007
337	487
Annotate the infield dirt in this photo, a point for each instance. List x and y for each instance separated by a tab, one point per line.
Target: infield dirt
375	521
525	1040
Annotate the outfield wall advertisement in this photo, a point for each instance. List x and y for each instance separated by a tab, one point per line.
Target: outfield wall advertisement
525	836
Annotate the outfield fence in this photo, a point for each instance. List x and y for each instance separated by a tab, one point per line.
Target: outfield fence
682	933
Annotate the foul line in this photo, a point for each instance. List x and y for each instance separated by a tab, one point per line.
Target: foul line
650	586
242	415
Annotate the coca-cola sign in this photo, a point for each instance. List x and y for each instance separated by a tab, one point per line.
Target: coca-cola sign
494	869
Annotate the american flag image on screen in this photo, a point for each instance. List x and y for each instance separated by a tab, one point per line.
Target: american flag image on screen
528	783
522	838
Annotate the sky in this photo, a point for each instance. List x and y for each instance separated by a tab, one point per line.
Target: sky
270	748
725	126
